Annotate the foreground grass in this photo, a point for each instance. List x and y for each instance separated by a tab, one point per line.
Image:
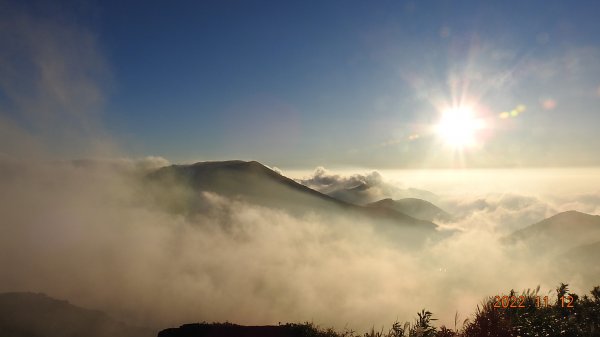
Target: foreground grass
533	317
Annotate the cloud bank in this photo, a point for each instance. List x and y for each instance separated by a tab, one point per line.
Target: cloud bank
94	235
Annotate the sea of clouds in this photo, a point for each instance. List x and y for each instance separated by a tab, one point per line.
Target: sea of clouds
93	234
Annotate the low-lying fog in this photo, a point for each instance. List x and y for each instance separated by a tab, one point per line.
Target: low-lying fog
90	232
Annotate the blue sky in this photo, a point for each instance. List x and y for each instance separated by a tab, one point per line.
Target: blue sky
342	83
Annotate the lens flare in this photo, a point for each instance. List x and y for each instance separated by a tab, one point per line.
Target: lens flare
513	113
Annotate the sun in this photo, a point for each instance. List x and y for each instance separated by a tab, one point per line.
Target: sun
459	127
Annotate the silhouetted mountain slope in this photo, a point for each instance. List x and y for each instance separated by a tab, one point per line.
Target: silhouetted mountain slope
260	185
416	208
33	315
590	252
250	180
583	261
561	232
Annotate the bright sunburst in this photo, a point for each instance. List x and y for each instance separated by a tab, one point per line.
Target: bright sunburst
459	127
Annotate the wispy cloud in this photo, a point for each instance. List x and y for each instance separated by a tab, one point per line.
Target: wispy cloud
53	79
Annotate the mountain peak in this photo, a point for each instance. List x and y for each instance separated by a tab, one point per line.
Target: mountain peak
570	214
560	231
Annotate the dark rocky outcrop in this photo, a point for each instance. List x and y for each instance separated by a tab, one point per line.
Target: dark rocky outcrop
233	330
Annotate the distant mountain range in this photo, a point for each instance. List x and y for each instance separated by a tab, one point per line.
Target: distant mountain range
363	194
417	208
255	183
37	315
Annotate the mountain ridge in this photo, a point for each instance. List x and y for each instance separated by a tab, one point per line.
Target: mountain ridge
259	184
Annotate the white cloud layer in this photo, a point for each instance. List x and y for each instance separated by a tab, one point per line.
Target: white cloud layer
92	234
